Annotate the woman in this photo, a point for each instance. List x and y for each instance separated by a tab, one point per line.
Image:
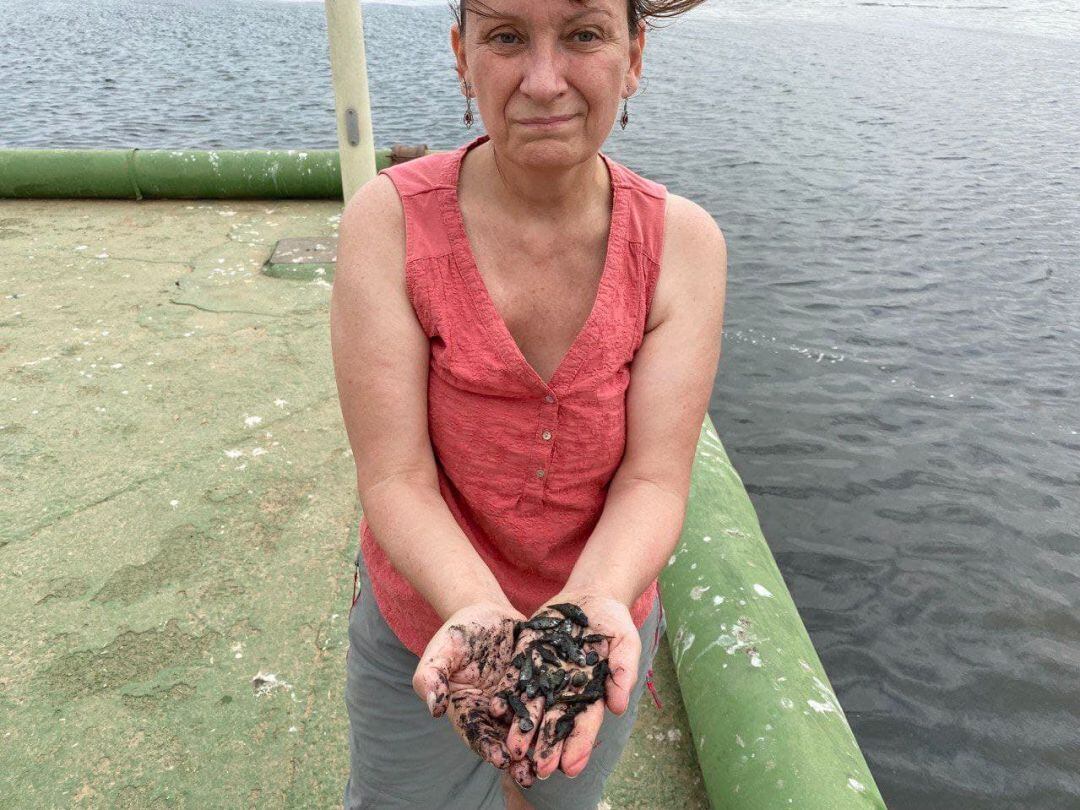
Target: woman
525	338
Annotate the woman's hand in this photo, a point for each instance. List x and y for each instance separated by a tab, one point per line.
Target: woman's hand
622	648
460	669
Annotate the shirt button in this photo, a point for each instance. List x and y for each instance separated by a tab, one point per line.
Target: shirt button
549	398
547	435
539	473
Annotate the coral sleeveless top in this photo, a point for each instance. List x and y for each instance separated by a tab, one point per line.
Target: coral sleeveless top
523	464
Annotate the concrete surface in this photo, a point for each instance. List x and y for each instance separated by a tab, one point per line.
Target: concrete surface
176	499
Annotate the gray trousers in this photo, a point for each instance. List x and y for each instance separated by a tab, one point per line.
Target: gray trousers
401	757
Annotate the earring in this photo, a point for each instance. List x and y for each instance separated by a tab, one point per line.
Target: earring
468	117
625	115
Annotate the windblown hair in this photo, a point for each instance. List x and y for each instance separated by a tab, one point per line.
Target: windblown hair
636	10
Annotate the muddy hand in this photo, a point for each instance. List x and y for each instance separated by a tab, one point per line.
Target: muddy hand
459	671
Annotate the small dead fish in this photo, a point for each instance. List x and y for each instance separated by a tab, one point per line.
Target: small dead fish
563	726
567	649
525	724
572	612
514	702
571	700
546	653
542	623
561	677
526	670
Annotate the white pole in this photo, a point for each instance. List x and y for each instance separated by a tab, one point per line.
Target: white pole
345	26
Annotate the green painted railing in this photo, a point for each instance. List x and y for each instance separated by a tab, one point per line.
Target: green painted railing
135	174
768	729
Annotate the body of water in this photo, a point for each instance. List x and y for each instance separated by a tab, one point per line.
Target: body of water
899	185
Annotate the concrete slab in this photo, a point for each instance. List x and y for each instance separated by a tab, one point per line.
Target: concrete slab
176	499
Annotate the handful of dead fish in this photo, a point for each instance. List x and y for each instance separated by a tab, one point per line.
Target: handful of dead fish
558	665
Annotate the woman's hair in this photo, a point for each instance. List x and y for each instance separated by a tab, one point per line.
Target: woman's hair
636	10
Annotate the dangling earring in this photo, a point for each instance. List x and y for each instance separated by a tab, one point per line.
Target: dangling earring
468	117
625	115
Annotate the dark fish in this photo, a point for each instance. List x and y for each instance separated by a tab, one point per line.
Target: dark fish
572	700
572	612
514	702
561	677
542	623
563	726
545	653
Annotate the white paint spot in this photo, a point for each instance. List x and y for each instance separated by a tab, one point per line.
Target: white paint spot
174	504
252	421
706	539
761	590
787	703
856	785
266	682
718	600
738	739
697	591
821	708
674	735
258	451
234	453
671	560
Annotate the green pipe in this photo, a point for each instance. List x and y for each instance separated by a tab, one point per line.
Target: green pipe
768	729
135	174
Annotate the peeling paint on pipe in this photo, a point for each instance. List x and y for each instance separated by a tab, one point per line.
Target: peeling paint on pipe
768	729
136	174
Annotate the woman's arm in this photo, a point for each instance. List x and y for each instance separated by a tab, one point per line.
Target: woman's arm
671	380
381	357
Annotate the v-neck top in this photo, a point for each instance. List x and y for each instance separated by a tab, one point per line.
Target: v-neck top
523	464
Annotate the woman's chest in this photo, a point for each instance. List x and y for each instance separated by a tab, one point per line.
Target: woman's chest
543	298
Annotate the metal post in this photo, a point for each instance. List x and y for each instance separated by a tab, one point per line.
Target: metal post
345	26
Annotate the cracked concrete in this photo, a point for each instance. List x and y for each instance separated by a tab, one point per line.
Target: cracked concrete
178	514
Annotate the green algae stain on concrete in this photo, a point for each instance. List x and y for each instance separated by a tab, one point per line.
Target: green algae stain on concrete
181	553
131	656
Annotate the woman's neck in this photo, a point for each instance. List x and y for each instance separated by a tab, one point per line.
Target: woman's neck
551	194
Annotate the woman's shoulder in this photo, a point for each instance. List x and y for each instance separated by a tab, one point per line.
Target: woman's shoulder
420	174
631	179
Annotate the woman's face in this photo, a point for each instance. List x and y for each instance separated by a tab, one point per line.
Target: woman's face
549	58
